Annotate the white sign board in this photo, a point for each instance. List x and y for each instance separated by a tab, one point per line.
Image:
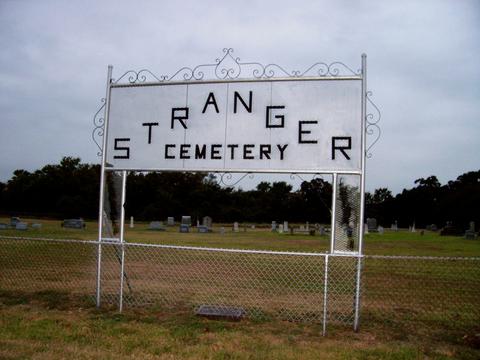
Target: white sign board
273	126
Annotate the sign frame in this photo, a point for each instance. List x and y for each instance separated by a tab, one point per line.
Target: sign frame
230	69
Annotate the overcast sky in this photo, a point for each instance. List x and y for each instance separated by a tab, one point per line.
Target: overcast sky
423	69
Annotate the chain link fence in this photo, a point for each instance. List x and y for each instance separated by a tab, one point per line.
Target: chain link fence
260	284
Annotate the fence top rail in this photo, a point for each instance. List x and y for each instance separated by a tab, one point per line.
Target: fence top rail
419	257
77	241
242	251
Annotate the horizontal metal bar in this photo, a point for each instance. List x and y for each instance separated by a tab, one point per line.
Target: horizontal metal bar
415	257
234	171
267	252
228	81
92	242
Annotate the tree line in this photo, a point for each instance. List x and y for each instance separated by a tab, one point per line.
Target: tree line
71	189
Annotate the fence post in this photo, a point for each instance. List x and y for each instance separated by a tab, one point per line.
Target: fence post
122	240
325	297
102	186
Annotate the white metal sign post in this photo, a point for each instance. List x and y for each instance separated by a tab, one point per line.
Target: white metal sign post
312	122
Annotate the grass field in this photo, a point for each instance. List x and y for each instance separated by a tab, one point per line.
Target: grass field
412	309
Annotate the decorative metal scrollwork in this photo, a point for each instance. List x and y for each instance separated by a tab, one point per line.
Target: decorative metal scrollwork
230	67
372	119
294	176
228	180
98	122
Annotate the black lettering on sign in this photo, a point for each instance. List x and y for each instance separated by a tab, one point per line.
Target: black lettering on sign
265	150
200	152
210	101
180	118
236	96
184	148
121	148
342	149
232	150
215	151
247	151
282	150
278	117
167	154
150	130
301	139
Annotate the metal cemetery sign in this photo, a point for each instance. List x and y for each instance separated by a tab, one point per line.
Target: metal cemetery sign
232	116
273	125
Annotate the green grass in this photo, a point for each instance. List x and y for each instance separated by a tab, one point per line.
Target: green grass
390	243
46	308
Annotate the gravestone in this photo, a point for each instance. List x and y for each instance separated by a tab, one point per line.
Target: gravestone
157	226
4	226
431	227
274	226
36	226
365	228
413	227
372	225
13	221
222	230
450	230
203	229
302	228
321	230
381	230
285	226
73	224
280	228
170	221
207	221
470	233
253	227
394	226
235	226
186	220
21	226
131	222
307	227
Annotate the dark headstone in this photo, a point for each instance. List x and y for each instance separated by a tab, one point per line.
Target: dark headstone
13	221
203	229
470	233
372	225
73	223
220	311
450	230
207	221
184	228
157	226
186	220
4	226
21	226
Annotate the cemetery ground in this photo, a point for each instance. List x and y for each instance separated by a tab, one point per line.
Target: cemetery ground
36	322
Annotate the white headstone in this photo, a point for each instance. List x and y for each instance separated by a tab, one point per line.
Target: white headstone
365	226
235	226
380	230
131	222
307	227
274	226
285	226
413	227
222	230
170	221
280	228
